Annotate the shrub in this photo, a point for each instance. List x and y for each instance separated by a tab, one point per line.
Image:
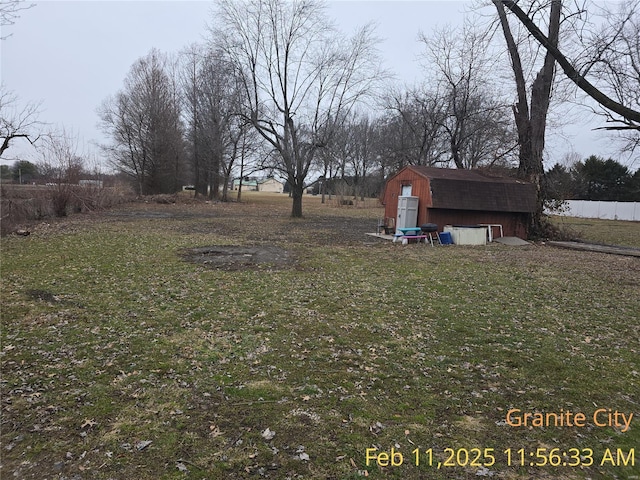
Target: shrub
22	205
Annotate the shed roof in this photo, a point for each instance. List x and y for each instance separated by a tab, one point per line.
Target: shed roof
477	190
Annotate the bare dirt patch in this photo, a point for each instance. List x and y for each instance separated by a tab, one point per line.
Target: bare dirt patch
233	257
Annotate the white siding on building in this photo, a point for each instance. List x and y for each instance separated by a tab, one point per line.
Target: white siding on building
270	185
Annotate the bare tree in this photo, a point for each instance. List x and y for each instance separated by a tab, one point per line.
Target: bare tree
219	106
127	151
413	129
298	76
143	121
329	161
532	105
363	155
17	122
61	165
459	59
61	161
192	58
472	118
218	134
242	149
349	156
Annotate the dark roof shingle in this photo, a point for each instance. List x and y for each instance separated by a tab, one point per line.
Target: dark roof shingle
478	190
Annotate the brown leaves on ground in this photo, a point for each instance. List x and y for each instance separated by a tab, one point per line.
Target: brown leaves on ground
121	360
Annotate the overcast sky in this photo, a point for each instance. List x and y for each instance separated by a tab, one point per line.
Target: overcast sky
71	55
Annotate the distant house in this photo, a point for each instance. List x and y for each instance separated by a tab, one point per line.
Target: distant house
248	184
91	183
463	197
270	185
252	184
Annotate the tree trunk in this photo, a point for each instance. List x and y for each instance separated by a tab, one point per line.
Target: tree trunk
239	197
215	187
323	185
531	122
196	169
225	191
296	195
210	183
455	152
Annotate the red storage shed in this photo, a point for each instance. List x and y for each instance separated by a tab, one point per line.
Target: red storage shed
463	197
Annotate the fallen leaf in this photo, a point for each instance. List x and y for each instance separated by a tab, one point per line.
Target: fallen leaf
143	444
88	423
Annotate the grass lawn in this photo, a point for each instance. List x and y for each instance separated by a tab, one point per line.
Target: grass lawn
121	360
601	231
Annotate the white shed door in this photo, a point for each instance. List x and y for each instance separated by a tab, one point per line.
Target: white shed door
406	190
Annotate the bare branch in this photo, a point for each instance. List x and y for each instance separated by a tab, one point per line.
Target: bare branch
632	117
10	12
16	122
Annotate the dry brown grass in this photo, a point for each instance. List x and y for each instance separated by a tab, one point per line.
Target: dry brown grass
22	206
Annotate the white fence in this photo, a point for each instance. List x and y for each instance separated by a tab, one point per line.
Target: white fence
605	210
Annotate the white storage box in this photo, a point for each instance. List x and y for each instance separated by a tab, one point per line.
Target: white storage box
467	234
